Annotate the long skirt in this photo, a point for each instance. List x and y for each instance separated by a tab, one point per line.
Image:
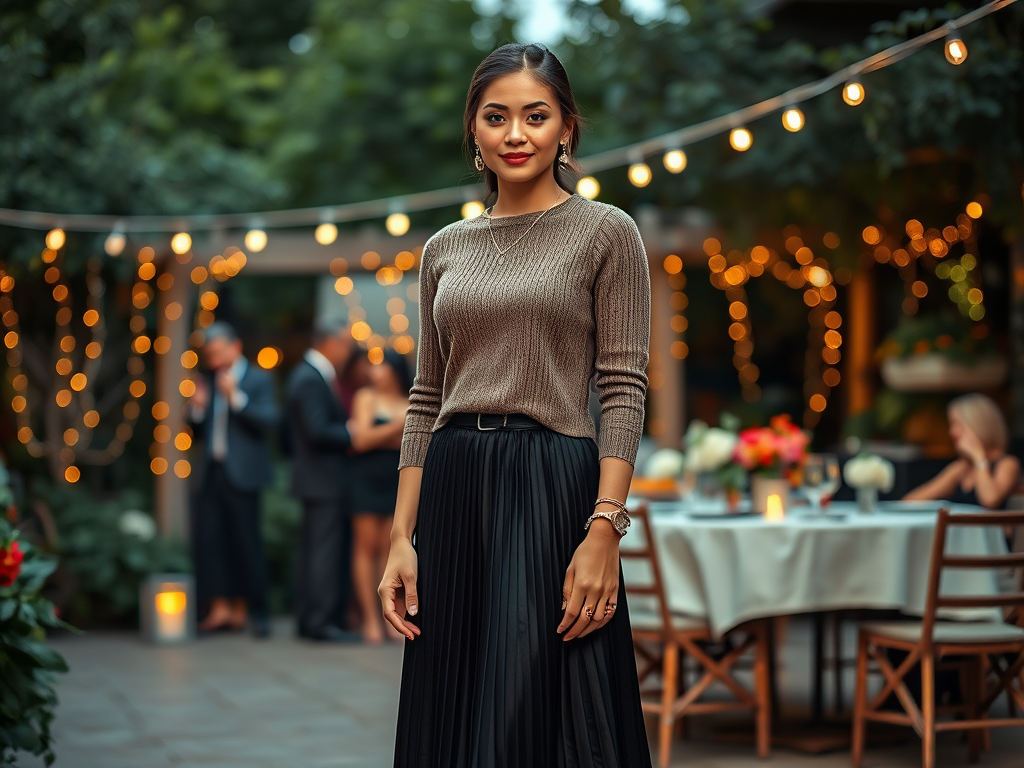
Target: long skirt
489	683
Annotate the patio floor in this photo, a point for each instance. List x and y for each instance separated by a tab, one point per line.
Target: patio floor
232	702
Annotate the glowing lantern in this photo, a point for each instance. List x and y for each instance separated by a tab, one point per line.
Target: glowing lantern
166	612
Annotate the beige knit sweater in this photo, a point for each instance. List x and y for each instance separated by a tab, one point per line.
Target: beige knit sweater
524	332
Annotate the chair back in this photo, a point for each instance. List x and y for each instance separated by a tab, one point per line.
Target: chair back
638	546
1012	602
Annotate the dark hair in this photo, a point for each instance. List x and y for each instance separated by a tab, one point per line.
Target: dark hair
400	365
544	65
220	330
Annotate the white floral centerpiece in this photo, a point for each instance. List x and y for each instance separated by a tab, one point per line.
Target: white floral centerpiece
868	474
664	464
710	457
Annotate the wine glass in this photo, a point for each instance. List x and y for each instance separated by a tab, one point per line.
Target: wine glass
821	478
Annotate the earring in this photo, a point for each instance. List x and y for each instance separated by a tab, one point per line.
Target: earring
563	159
478	161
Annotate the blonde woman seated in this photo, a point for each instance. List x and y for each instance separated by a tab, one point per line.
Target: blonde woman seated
984	473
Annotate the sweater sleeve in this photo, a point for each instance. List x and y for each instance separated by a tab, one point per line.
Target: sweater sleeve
622	312
425	395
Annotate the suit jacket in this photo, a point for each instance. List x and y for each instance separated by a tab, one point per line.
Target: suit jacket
248	463
318	436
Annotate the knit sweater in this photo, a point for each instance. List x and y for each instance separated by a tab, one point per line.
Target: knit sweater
526	330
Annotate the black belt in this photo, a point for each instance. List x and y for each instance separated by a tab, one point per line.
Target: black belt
488	422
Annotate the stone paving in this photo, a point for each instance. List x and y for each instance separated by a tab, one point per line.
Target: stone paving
232	702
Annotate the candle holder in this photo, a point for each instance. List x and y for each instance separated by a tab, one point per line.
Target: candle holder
166	610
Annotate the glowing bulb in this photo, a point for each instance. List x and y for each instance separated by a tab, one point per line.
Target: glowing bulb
741	139
472	209
793	119
588	187
326	234
114	243
956	49
255	240
853	93
974	210
675	160
55	239
640	174
181	243
397	224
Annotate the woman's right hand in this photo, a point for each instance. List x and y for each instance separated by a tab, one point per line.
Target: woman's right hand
398	587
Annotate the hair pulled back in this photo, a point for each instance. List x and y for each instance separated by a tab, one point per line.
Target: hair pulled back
544	65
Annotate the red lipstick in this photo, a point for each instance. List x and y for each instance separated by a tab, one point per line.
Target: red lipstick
516	158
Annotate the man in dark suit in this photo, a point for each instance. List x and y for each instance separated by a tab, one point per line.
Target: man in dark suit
232	412
320	475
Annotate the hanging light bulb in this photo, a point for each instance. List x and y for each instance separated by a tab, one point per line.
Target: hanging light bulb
326	233
255	240
741	139
675	160
792	119
956	49
55	239
588	187
472	209
397	224
853	93
114	244
181	243
640	174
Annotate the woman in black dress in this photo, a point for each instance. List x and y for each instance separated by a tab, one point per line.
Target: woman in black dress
375	481
504	571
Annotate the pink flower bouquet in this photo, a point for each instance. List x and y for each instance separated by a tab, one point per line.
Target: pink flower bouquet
775	450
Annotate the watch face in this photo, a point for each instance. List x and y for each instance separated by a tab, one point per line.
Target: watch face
620	520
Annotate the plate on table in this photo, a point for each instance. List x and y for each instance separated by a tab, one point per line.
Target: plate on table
698	514
911	506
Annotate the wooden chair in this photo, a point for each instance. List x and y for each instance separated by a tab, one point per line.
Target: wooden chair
663	640
981	646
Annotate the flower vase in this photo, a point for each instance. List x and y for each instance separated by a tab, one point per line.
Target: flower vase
867	500
708	492
761	488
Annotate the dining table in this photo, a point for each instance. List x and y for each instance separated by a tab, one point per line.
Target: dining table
728	568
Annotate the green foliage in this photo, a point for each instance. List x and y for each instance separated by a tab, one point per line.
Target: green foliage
937	333
281	517
107	547
28	667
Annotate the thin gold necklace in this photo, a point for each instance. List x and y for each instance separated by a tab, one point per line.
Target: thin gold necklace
502	252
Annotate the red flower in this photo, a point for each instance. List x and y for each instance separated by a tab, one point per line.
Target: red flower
10	563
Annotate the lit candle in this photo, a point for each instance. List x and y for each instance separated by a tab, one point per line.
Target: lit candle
774	512
170	615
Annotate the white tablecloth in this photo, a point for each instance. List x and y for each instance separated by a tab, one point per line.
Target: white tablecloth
732	570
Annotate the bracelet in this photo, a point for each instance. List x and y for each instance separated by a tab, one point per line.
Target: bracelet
621	505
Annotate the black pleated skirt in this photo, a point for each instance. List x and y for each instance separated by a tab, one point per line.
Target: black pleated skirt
489	683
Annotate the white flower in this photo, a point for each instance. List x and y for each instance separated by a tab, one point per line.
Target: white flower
666	462
710	449
136	523
868	471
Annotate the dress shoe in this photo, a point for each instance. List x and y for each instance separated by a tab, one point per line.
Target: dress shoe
332	634
260	629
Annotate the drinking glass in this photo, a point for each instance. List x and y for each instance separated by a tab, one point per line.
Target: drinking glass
821	478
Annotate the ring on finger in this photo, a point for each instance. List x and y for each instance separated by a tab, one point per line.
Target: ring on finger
609	609
589	612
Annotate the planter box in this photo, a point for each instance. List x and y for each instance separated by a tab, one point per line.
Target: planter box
935	373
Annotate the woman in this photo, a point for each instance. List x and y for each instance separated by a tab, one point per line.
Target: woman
375	409
984	473
504	571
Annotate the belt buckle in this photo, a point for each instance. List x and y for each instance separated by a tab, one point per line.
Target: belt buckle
504	422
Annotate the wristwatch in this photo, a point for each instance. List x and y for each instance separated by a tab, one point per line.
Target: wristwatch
619	518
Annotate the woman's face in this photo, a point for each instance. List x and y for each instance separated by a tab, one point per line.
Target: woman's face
382	376
518	127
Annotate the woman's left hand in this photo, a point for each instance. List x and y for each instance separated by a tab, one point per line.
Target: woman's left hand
970	445
591	582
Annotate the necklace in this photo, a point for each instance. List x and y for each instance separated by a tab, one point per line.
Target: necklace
502	252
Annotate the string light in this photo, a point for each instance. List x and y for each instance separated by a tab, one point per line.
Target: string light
326	233
793	119
675	160
397	224
741	139
472	209
639	174
55	239
114	244
588	187
255	240
853	93
181	243
955	48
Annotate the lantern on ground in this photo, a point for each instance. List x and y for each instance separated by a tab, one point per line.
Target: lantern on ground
166	610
